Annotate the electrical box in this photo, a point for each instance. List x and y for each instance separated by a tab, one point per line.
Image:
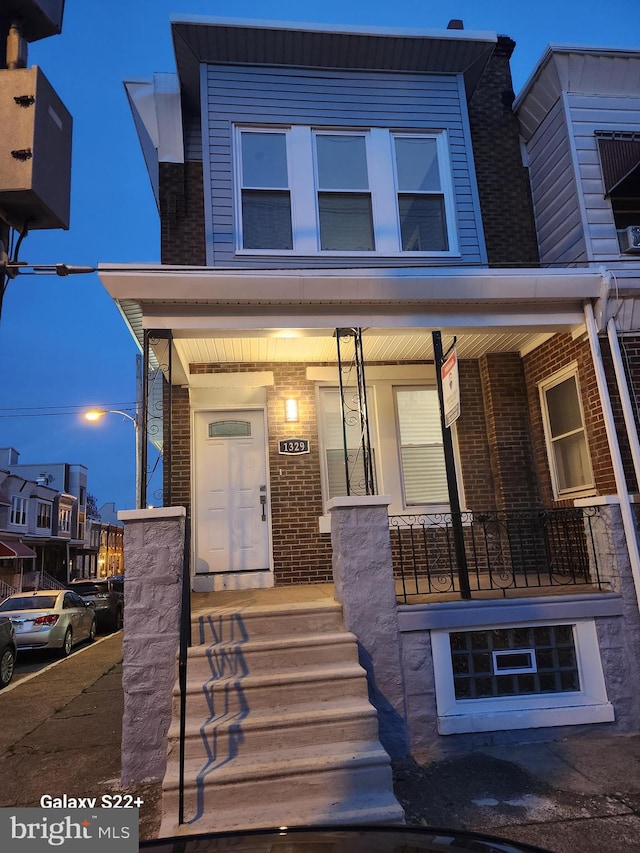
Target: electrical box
38	19
35	151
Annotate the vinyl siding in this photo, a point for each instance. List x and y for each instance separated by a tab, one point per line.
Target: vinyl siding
554	190
588	113
400	101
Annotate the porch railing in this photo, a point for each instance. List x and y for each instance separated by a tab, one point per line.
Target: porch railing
185	643
506	551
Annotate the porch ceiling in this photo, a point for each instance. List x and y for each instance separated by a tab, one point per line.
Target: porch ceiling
245	315
379	345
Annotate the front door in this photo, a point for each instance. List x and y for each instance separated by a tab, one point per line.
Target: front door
232	519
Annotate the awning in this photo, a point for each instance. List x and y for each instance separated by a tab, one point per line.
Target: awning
13	549
619	157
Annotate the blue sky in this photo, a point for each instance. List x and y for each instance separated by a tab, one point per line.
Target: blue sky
63	343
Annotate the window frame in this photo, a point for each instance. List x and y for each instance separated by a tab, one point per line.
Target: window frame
385	442
18	516
568	372
588	705
383	190
43	512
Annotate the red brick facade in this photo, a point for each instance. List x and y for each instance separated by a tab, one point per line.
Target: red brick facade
539	365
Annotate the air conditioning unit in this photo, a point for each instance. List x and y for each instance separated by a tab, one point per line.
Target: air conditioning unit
630	239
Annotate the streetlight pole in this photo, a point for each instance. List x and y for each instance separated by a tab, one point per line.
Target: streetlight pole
96	415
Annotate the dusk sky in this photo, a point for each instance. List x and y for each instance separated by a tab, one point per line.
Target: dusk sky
64	345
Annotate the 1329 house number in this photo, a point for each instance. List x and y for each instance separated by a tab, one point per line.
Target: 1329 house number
293	446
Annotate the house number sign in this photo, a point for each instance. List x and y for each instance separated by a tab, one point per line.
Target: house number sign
293	446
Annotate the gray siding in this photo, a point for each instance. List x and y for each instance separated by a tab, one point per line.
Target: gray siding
553	187
334	99
589	113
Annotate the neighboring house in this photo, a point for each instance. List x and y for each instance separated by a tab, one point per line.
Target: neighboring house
44	508
330	198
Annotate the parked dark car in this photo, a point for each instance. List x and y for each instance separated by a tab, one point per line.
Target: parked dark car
8	651
388	839
106	596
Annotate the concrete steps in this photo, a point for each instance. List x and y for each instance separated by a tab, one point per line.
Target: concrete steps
279	728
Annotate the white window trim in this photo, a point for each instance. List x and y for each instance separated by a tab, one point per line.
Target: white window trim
49	512
571	370
385	438
18	501
589	705
301	163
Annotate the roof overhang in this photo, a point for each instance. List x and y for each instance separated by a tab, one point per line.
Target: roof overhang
254	42
296	311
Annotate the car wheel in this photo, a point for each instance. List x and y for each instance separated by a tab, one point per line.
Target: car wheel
7	664
92	631
119	621
67	643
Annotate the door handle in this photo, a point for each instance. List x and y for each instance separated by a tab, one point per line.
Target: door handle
263	502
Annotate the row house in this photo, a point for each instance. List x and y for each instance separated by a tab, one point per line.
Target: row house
43	521
339	207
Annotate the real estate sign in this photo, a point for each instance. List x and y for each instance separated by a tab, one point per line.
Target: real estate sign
450	388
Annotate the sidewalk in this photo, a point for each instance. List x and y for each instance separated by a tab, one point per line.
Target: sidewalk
62	732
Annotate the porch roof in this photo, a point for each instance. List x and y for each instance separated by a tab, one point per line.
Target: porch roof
290	315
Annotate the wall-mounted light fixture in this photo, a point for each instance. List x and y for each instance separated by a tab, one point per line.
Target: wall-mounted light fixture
291	411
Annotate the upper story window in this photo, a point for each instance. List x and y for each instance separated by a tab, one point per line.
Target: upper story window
310	191
64	520
620	163
565	433
43	518
18	511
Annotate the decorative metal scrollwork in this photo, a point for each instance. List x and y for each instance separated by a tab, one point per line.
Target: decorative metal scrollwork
156	402
358	459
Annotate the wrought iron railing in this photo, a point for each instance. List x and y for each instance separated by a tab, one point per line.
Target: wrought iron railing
185	642
506	551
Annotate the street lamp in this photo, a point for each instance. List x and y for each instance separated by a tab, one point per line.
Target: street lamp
95	415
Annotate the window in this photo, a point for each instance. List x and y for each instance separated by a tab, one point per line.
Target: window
266	201
518	676
344	200
405	436
424	477
308	191
420	196
64	520
18	511
333	440
565	433
43	518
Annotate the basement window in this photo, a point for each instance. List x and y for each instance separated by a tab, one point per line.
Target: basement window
519	676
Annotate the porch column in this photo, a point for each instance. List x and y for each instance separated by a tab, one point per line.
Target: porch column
153	552
364	585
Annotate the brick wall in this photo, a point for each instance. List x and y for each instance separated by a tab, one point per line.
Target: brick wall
182	235
508	431
473	445
503	182
542	363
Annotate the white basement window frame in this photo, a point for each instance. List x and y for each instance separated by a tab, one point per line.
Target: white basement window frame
565	434
590	704
300	188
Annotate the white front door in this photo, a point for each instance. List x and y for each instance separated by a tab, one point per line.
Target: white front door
231	512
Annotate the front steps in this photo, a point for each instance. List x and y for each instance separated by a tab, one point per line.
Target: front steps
279	728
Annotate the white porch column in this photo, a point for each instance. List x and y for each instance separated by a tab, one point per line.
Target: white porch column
363	578
153	550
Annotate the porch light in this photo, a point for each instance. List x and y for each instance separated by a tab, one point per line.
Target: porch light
291	411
